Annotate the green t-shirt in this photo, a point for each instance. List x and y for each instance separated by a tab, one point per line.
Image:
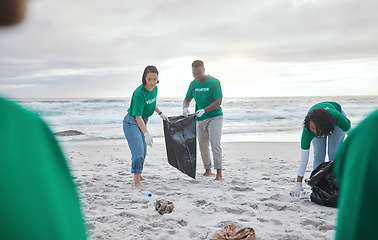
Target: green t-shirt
38	196
340	120
143	102
204	94
356	171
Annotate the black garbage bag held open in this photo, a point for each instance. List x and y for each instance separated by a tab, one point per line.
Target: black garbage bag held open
180	142
323	185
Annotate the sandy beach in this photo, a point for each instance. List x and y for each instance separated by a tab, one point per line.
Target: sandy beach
258	177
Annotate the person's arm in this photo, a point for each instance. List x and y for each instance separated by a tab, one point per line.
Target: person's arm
161	114
217	102
157	110
298	188
305	153
299	179
141	124
186	102
343	122
217	93
185	106
188	98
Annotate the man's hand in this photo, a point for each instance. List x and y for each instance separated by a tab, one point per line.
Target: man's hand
200	112
185	112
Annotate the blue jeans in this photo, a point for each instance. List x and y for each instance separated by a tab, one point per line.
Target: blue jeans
137	144
319	144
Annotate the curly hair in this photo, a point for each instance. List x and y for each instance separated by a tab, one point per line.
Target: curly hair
323	120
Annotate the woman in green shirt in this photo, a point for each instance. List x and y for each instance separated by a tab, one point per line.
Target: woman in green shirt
142	106
325	120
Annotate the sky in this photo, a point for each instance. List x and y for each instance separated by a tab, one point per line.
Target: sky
99	49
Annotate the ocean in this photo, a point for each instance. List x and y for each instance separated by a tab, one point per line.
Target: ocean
245	118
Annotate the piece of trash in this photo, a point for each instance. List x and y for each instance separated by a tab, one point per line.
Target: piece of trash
163	206
302	194
147	194
230	232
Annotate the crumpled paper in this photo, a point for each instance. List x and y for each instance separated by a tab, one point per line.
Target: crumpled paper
230	232
164	206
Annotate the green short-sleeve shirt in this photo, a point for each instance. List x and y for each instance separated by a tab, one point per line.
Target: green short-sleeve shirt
204	94
38	196
340	120
143	102
356	170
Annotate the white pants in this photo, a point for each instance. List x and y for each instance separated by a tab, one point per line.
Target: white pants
209	132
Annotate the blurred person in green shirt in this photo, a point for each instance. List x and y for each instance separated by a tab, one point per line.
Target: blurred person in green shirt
356	171
38	199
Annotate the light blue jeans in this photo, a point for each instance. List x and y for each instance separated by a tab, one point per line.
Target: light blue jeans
319	145
137	144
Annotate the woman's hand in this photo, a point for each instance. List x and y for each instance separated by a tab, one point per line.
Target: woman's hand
163	116
148	139
296	189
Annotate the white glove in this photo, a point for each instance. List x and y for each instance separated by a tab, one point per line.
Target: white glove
148	139
200	112
164	117
296	189
185	112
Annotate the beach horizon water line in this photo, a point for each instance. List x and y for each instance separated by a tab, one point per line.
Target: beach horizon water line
245	118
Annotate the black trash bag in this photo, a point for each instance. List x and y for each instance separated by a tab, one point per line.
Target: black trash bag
323	185
180	142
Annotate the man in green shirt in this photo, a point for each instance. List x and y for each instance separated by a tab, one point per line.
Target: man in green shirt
207	93
356	171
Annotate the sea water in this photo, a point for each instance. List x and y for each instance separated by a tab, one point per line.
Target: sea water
245	119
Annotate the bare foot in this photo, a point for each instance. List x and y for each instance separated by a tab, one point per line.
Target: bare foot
218	178
140	186
219	175
137	178
207	173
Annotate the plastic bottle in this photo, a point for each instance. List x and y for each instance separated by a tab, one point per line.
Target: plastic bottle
147	194
302	194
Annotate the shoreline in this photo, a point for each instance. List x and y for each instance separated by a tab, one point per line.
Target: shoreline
157	141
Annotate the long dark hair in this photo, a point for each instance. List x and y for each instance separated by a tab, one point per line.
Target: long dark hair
149	69
323	120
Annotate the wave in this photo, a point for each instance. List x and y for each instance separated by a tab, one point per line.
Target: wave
102	118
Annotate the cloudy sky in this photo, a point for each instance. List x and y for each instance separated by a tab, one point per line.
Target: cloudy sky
93	48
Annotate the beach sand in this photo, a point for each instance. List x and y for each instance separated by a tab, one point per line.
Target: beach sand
258	177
